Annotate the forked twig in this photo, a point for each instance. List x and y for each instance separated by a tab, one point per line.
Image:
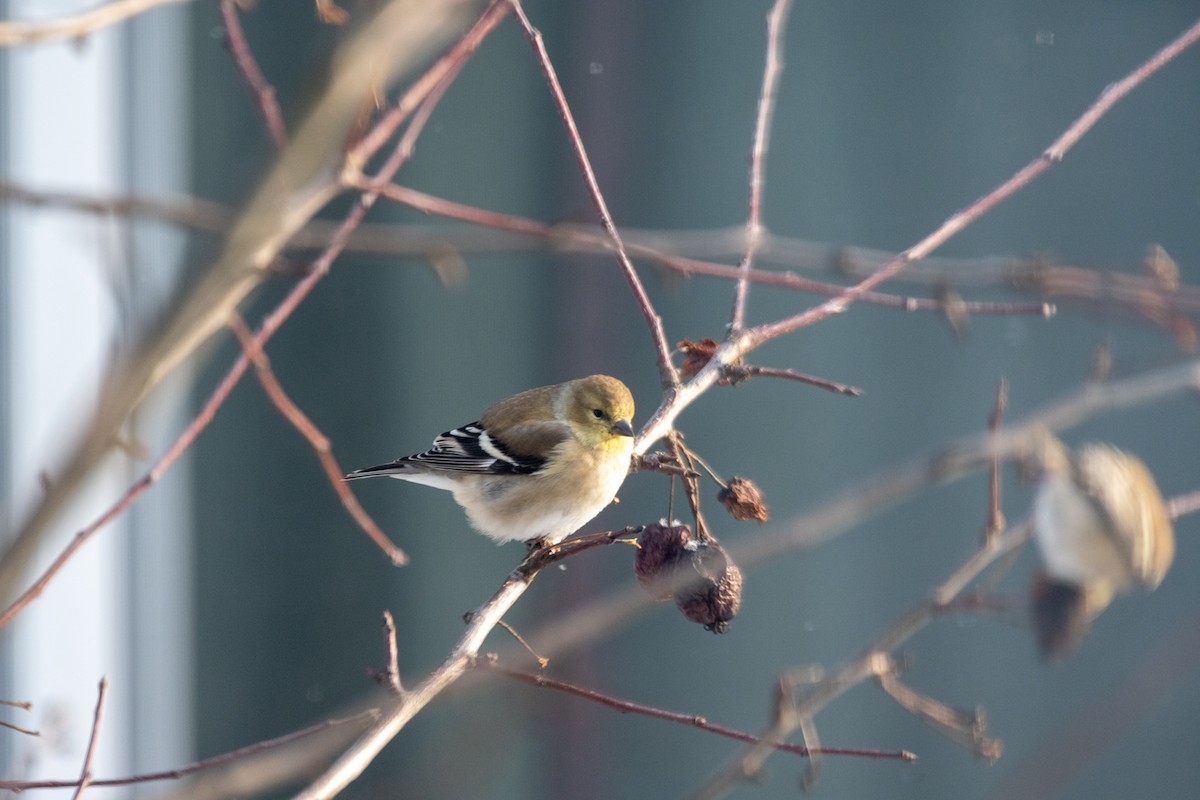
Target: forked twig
690	720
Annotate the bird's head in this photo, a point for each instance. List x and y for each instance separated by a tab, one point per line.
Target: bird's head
600	409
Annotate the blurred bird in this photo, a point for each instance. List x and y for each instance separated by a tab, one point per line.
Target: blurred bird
536	466
1102	528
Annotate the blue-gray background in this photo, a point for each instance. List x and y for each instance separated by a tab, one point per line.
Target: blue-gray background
890	117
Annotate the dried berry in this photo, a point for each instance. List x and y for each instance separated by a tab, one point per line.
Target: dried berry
743	500
705	584
661	548
715	597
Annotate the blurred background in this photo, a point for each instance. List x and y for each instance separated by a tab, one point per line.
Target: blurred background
237	601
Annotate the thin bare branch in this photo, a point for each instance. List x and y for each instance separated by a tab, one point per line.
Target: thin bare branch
1130	295
351	764
740	372
542	661
609	611
480	623
27	731
317	440
873	662
605	613
966	728
392	670
457	54
690	720
995	517
181	444
960	220
299	185
772	71
260	89
232	756
666	370
736	346
85	775
22	32
24	706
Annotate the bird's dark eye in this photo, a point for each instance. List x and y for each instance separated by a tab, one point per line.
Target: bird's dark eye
597	413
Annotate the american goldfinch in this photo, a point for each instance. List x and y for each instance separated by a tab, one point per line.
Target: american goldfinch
1102	528
536	466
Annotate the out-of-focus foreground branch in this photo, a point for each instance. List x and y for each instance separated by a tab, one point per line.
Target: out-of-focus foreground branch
306	177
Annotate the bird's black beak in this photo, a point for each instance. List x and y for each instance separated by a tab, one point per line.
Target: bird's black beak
622	428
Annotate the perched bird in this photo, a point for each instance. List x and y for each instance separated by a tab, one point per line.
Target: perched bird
536	466
1102	528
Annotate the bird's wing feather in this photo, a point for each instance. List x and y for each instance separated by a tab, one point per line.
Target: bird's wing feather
471	449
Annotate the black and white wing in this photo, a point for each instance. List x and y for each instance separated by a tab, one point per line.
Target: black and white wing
469	449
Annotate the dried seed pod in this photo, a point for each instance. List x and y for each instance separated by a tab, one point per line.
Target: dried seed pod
661	548
705	584
695	355
743	500
714	596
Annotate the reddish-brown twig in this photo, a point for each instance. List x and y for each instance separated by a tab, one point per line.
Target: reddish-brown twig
736	346
195	766
961	219
256	83
180	445
585	237
773	69
270	325
85	775
872	663
541	660
27	731
413	240
456	54
256	241
404	147
666	370
392	651
692	720
741	372
317	440
24	706
480	623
